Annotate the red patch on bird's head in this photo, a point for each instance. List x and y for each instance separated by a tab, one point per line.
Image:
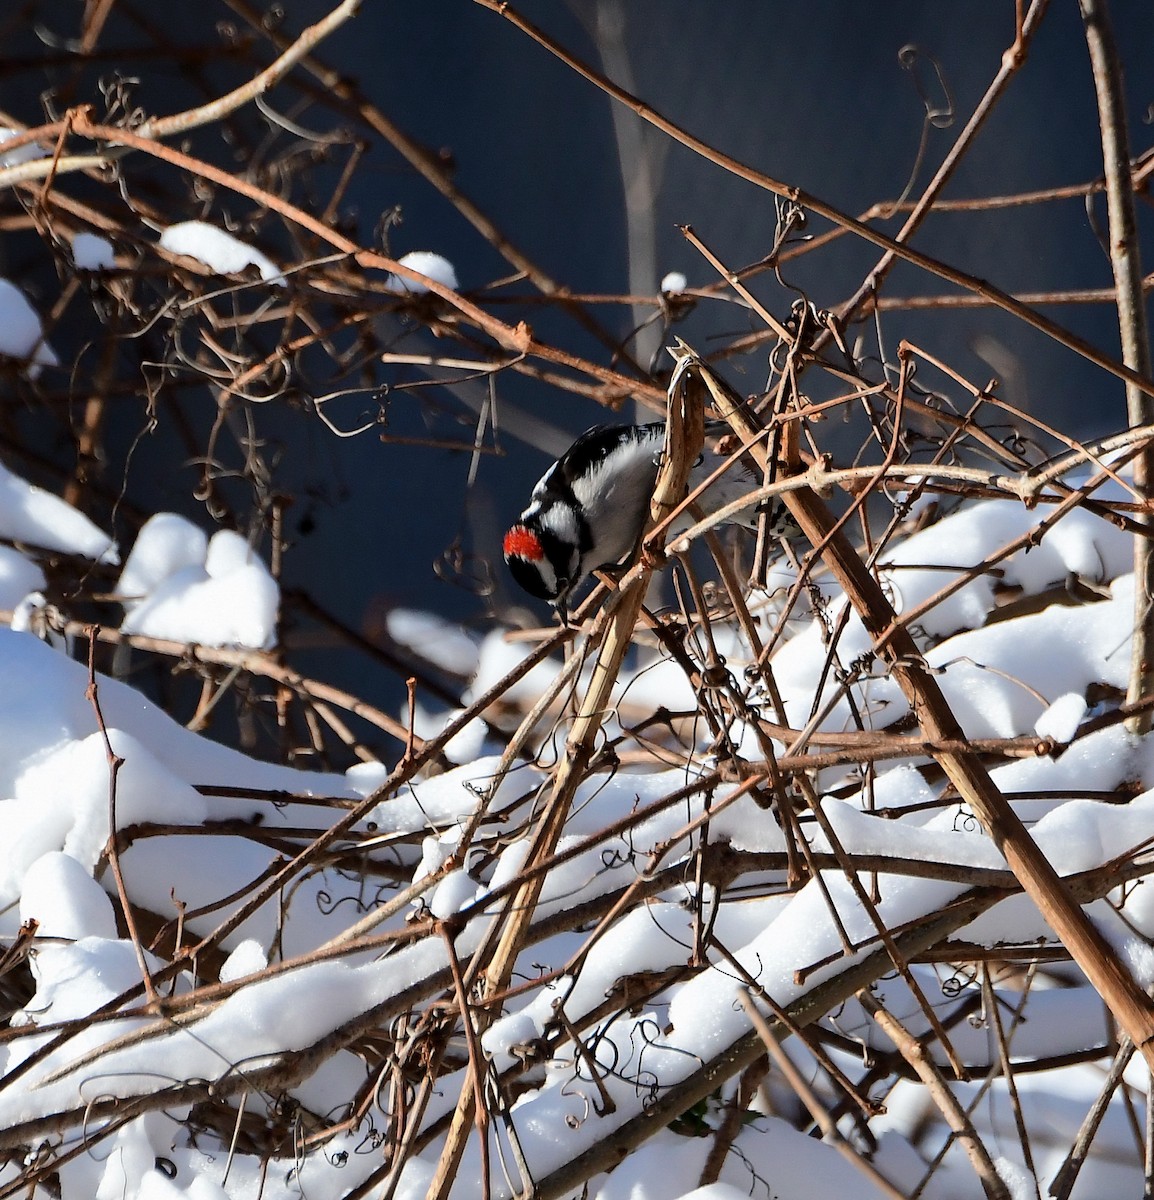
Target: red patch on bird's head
523	543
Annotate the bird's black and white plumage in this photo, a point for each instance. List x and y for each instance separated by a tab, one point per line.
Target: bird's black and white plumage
589	509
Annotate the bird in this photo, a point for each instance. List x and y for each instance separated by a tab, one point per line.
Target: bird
588	511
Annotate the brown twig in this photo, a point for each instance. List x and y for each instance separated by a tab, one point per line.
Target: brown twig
799	196
814	1106
1012	60
955	1116
115	762
1126	264
1130	1005
683	443
1067	1175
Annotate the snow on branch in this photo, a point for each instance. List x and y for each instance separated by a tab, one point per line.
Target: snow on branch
310	889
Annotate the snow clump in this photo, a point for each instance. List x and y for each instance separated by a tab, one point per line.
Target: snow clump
21	333
182	586
92	253
218	250
436	268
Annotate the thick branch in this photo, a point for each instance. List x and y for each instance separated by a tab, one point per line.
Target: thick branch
897	648
1126	263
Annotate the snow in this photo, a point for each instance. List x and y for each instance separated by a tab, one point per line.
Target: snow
44	708
498	657
1061	720
61	802
425	262
441	642
938	840
74	979
90	252
180	586
667	1167
252	1026
189	858
442	801
988	703
18	575
21	154
468	744
65	901
218	250
455	892
247	959
167	543
130	1165
36	616
21	333
32	515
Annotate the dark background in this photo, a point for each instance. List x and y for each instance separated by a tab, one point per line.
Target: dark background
814	95
811	94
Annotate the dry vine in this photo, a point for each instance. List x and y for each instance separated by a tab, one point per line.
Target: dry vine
817	1039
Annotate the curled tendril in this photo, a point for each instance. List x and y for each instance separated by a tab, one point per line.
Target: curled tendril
371	1142
652	1036
272	18
599	1041
953	987
939	115
117	93
613	859
572	1120
470	572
